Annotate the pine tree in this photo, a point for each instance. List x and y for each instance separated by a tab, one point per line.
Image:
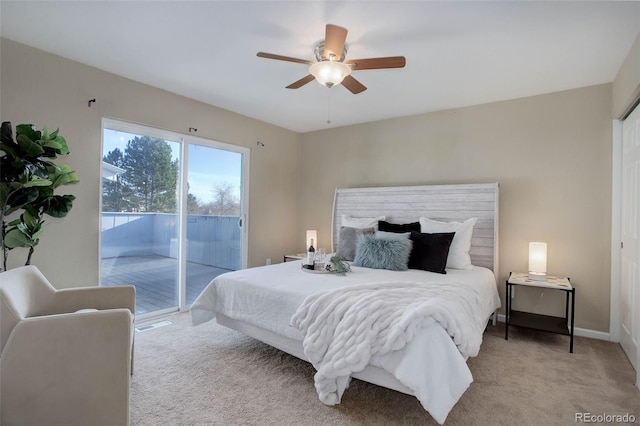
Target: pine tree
151	174
116	195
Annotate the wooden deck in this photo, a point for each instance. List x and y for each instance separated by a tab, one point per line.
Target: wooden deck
155	279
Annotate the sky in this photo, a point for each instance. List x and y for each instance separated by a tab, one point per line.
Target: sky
207	166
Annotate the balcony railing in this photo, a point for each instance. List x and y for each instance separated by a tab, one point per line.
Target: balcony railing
211	240
145	239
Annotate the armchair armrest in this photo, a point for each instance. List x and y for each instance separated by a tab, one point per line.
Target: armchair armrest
49	361
73	299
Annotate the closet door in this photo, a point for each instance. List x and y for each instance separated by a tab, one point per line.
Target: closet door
630	255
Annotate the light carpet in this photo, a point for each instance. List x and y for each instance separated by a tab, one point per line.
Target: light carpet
211	375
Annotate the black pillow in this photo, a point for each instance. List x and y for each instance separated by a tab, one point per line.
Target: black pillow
430	251
398	227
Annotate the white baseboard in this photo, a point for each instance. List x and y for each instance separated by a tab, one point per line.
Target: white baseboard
582	332
592	334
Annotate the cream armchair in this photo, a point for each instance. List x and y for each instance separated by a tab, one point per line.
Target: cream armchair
65	355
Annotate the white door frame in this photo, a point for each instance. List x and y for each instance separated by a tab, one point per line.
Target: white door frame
182	195
616	227
616	241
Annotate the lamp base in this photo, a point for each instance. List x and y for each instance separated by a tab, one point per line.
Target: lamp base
537	276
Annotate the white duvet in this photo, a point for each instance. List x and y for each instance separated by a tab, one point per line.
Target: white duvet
424	357
345	328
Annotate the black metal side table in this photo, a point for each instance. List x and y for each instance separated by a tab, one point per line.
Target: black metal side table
551	324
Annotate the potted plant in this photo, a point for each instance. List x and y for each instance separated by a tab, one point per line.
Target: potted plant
28	181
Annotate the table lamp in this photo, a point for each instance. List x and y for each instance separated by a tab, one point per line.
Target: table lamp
537	261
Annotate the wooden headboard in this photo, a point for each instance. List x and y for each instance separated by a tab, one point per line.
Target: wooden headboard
447	203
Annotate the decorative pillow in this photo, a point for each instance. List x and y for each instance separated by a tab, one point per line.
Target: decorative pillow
362	222
379	253
459	251
347	241
430	251
383	235
398	227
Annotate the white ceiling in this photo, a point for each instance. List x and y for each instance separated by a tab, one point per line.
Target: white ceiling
458	53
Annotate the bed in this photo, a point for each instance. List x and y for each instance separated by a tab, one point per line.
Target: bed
427	358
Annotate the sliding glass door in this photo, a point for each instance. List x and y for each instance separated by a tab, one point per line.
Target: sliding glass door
172	213
214	215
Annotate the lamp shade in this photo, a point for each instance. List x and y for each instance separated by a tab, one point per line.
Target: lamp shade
537	261
329	73
312	234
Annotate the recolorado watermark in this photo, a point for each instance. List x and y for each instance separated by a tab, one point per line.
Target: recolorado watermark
604	418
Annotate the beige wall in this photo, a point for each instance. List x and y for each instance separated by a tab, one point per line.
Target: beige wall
626	86
47	90
551	155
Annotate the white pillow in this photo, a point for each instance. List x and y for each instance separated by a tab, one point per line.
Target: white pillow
459	251
362	222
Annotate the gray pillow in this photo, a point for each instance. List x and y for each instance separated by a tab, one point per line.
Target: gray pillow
379	253
347	241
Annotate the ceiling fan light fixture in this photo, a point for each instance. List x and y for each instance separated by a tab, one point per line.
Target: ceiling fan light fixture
329	73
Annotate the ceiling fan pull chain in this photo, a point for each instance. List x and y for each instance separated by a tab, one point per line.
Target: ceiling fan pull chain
329	107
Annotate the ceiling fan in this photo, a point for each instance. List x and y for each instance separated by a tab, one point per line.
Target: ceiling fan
330	67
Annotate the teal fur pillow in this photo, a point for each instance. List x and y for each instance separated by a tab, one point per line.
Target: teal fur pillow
381	253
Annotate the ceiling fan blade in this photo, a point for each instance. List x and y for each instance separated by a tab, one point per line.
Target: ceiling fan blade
353	85
377	63
334	39
301	82
283	58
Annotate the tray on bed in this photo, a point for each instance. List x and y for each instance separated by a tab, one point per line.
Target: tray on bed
315	271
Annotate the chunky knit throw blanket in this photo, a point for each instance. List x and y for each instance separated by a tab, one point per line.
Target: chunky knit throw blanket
344	328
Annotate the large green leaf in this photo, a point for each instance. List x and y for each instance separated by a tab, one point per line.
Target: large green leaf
64	176
45	192
14	222
52	144
14	238
31	148
9	149
29	220
20	198
58	205
64	149
27	130
36	234
33	209
32	234
36	181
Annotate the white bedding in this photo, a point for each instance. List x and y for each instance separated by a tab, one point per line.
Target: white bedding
430	364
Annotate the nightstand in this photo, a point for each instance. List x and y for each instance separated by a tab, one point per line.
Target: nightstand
551	324
299	256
